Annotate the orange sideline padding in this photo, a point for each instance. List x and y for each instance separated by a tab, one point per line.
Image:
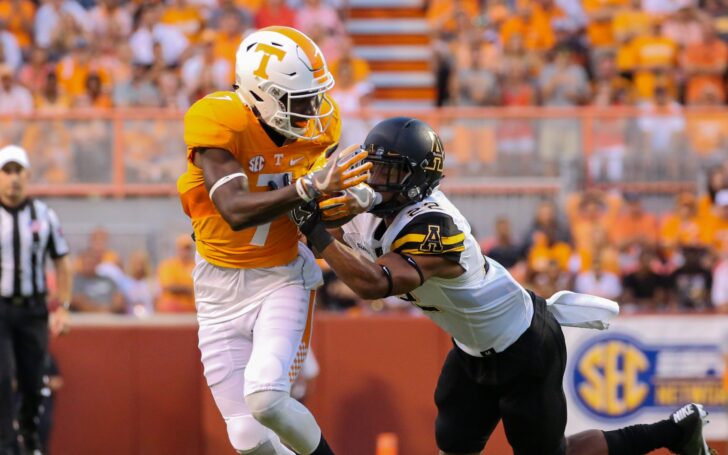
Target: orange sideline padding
139	390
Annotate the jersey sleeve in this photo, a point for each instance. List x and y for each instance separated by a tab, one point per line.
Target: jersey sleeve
57	244
431	234
205	125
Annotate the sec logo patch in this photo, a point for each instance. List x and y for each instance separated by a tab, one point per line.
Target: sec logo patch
256	163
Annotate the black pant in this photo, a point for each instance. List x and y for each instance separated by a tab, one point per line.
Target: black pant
23	347
521	385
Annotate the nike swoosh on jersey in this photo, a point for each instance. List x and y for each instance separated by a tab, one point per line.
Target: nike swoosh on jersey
295	161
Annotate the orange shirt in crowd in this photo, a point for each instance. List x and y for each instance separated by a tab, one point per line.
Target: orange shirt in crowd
714	230
676	231
705	54
174	272
251	5
542	253
628	23
627	228
14	15
651	53
72	76
439	10
707	132
187	19
359	66
609	258
600	32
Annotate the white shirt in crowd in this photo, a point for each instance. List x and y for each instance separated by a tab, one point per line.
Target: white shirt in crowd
16	101
173	43
192	73
607	285
719	291
11	50
47	17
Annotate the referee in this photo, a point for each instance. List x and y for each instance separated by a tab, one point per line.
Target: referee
29	232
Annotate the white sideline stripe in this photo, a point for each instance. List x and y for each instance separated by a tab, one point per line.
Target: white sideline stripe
402	79
385	3
402	53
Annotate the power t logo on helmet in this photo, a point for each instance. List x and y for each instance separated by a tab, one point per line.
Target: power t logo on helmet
282	75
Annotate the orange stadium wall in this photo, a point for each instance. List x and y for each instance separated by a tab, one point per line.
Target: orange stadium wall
138	389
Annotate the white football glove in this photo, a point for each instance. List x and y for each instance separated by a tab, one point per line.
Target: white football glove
343	170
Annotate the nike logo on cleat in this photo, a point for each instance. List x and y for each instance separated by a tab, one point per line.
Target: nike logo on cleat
682	413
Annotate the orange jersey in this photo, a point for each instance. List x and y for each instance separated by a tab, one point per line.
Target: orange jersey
222	120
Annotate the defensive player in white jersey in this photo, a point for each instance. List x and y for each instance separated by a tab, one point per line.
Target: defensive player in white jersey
509	355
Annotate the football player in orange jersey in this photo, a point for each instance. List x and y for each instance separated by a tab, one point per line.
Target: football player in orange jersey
254	282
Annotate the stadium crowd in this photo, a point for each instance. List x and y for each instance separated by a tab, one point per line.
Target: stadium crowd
57	55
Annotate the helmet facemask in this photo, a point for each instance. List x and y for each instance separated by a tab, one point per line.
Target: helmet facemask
391	173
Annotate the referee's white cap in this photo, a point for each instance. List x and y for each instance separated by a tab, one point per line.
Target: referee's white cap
15	154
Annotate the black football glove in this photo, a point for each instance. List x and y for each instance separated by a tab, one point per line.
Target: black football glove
307	217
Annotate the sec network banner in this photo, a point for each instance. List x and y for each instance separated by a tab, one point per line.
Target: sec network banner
644	367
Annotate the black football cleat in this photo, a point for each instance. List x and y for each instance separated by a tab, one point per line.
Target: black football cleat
691	418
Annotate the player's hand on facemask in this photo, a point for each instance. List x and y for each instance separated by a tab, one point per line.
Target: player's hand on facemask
352	201
343	170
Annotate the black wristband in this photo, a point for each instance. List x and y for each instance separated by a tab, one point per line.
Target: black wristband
390	284
319	237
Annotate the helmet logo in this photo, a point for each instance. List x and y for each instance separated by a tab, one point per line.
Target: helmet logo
438	154
267	51
433	240
256	163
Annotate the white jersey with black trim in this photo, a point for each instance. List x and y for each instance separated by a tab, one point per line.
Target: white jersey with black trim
485	310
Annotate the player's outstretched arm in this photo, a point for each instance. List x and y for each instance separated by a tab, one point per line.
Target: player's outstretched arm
239	207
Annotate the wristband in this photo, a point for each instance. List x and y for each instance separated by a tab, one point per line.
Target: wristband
390	283
319	237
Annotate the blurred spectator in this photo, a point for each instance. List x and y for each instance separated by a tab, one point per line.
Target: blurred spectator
692	282
51	98
357	66
334	295
599	30
98	242
184	17
171	92
644	288
351	96
138	91
662	135
716	12
74	69
444	16
238	10
715	226
653	60
275	12
91	148
110	18
12	57
94	96
34	74
93	293
562	83
475	85
316	13
227	39
551	279
503	247
51	15
205	72
142	287
589	211
716	181
175	278
148	30
599	282
633	224
546	220
685	27
14	98
704	64
719	291
630	21
19	16
682	227
665	7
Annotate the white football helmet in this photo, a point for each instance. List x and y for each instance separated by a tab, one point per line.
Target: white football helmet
282	73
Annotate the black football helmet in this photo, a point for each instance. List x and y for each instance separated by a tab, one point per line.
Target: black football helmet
413	155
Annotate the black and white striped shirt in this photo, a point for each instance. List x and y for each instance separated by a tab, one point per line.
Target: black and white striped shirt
29	234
